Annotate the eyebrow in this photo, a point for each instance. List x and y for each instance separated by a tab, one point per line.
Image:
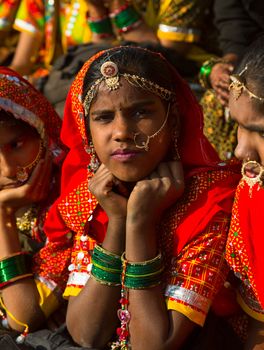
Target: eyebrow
131	106
250	127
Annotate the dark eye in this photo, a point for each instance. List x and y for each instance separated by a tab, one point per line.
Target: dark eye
261	133
16	144
104	118
141	113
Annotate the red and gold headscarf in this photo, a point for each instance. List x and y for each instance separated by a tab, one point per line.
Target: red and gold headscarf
77	208
24	102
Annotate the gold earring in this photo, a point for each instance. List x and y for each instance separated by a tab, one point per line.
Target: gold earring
94	162
22	173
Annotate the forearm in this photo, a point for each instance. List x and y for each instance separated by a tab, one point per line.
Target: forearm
96	305
21	298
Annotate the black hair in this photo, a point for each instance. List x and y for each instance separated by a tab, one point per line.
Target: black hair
252	69
132	60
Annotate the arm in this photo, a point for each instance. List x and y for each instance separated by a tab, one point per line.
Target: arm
21	298
26	53
96	306
140	33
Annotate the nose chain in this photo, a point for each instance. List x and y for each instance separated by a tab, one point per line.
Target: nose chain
252	173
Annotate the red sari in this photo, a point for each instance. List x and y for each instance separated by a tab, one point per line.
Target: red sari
193	231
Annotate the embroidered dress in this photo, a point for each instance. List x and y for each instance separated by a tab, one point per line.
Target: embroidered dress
62	24
244	248
8	10
192	231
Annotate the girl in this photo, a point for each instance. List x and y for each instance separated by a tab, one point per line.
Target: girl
245	240
150	223
30	159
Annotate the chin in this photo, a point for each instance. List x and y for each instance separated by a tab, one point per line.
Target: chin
129	177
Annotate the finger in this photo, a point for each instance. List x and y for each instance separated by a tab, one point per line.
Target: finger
177	171
154	175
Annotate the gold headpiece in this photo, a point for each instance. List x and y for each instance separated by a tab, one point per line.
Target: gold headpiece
111	77
237	87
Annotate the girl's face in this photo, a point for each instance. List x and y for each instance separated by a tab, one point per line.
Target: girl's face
250	133
19	146
115	117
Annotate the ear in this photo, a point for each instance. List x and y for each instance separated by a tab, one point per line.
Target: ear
174	119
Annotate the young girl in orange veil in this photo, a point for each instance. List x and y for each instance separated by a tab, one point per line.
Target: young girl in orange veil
148	202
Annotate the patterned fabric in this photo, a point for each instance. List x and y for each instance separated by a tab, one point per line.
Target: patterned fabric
49	21
182	20
244	247
219	130
8	9
188	281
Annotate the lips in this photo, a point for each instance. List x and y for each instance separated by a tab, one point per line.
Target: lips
125	154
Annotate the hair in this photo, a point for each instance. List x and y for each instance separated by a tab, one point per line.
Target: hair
253	75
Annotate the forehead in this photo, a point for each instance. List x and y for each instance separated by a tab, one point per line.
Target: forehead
124	96
244	111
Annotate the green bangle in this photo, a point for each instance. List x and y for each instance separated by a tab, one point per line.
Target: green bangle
107	259
126	18
14	266
105	277
102	26
205	71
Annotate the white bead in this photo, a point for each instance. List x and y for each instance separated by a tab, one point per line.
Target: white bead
20	339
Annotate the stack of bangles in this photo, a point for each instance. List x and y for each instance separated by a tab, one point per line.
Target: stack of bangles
125	19
115	270
14	267
205	71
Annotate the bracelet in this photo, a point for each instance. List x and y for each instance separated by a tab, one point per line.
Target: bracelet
126	19
141	275
102	27
106	266
14	267
206	70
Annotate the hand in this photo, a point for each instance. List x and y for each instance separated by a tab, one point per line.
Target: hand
220	80
151	196
110	193
34	190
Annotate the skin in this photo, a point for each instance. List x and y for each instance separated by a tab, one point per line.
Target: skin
134	192
19	147
220	77
250	147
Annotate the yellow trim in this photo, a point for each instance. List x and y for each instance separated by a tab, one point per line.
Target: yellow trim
193	315
71	291
177	36
254	314
48	302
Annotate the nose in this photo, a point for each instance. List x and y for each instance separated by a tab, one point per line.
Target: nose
245	149
7	166
122	129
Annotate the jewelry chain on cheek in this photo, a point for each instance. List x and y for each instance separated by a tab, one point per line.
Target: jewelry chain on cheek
23	172
145	144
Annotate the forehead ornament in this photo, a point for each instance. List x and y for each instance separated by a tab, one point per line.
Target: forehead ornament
111	77
109	71
237	86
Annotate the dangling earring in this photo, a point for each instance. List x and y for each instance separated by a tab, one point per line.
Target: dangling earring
175	150
22	173
94	162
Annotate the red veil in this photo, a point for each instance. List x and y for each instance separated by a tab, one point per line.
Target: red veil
24	102
76	207
246	240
